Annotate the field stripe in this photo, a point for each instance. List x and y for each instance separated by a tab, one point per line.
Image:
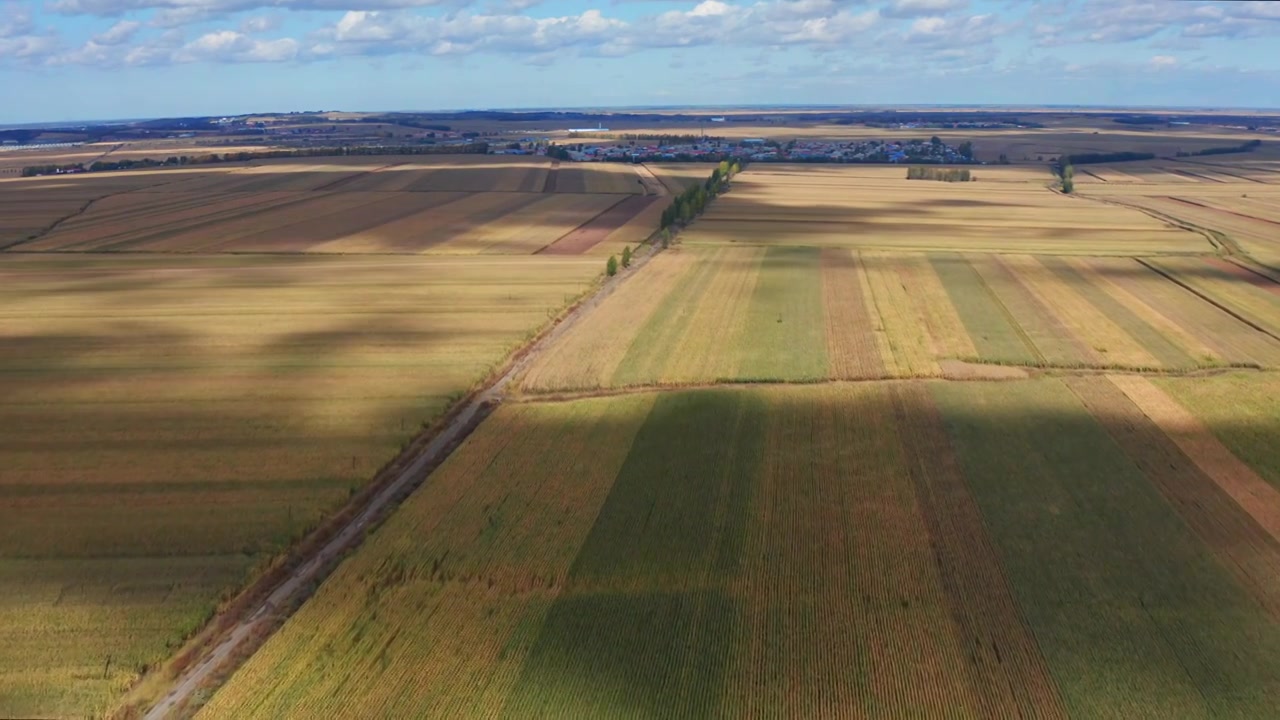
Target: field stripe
851	341
845	615
1082	318
1004	662
640	624
1135	616
1243	547
1234	293
1098	272
947	333
995	333
1041	326
1226	335
648	355
1167	353
1254	495
588	357
906	346
706	350
784	337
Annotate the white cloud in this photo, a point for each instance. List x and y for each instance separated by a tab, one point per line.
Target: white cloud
203	9
117	34
918	8
232	46
1163	62
259	24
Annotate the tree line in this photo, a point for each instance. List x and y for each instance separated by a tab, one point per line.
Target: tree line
245	156
938	173
1095	158
1244	147
688	205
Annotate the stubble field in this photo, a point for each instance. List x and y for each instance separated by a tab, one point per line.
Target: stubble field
403	205
1237	196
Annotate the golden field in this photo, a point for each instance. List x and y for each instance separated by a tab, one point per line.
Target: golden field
174	422
1007	209
448	204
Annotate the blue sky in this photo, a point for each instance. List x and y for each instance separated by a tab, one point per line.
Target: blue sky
91	59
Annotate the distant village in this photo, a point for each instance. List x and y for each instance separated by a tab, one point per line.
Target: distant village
932	150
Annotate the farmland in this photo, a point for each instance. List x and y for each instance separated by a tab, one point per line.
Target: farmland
1235	196
762	552
1006	210
172	422
806	314
451	205
853	446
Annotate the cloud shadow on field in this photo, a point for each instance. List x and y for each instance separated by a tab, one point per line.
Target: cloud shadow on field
1114	588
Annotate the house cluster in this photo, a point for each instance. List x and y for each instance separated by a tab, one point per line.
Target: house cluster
761	150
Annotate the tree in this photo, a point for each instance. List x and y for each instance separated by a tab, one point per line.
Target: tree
966	150
666	238
611	266
935	141
626	256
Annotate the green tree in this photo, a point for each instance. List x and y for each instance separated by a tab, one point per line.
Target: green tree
966	150
626	256
666	238
611	266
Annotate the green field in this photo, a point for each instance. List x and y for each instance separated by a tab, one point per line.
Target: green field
787	552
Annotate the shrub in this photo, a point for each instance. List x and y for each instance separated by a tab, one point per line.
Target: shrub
611	267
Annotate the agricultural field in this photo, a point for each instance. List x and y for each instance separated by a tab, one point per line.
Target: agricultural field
1236	196
455	205
172	422
706	314
1007	209
1058	547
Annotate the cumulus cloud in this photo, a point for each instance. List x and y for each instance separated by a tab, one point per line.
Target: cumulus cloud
121	32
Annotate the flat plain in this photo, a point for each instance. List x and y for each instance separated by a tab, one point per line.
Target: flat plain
855	446
462	204
1037	548
173	422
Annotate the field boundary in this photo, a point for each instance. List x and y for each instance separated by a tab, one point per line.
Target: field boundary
262	607
1028	372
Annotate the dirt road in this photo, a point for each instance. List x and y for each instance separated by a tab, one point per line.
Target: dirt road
253	630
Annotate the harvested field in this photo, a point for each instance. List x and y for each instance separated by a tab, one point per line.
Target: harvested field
598	177
870	208
1250	296
796	313
172	423
451	205
597	230
678	177
757	552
